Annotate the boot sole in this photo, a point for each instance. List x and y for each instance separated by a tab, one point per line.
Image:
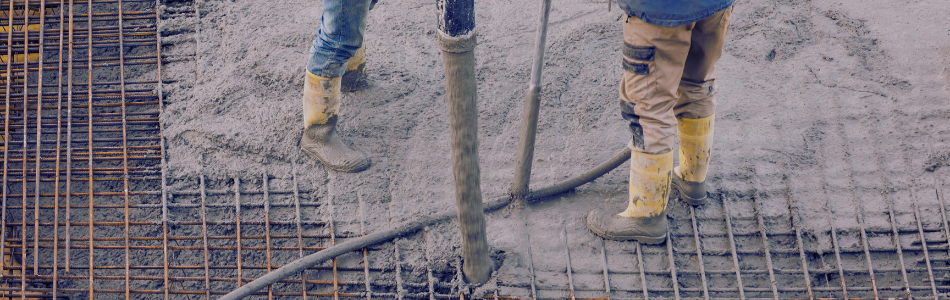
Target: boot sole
687	198
354	169
643	239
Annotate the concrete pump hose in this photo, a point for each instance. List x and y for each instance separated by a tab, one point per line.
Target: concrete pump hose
380	237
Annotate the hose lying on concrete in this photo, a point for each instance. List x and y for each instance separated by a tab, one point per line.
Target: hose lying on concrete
380	237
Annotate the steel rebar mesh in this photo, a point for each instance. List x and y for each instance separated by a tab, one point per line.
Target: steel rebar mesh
87	212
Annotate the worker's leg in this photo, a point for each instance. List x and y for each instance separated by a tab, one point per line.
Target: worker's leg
339	38
653	59
340	41
695	109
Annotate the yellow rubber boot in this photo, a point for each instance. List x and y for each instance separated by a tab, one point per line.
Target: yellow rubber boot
695	137
644	218
355	71
321	105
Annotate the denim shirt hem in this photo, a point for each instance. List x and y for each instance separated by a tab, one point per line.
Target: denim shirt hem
673	20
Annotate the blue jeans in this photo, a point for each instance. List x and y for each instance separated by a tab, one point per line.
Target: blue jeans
341	34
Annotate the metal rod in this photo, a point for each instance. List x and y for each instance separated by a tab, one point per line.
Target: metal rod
699	252
765	238
897	243
603	259
125	156
457	41
204	235
834	243
943	211
59	137
369	290
303	273
89	129
567	252
267	237
26	17
425	253
332	211
400	291
923	241
672	266
6	143
894	231
859	215
534	289
643	276
69	133
39	119
237	225
797	224
732	247
529	120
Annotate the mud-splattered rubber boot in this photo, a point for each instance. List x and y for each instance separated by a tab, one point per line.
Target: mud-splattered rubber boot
644	219
611	226
693	193
689	178
354	78
321	104
323	143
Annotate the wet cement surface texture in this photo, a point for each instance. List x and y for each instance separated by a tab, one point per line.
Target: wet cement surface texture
829	112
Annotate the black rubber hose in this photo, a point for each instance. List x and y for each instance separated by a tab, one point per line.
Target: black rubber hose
305	262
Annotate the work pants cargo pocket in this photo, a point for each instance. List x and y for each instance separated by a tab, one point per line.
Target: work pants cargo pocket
639	72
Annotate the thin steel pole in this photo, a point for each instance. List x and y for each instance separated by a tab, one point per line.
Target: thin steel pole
732	248
303	274
923	242
369	291
603	259
567	252
890	216
796	223
89	128
943	212
643	276
204	235
834	243
534	289
400	291
125	155
6	143
897	242
237	224
59	138
859	216
266	189
336	286
529	120
26	77
39	143
763	234
69	135
699	252
425	253
672	266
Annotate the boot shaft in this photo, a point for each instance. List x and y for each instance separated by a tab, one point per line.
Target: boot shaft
321	99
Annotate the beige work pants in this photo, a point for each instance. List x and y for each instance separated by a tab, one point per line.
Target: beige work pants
669	73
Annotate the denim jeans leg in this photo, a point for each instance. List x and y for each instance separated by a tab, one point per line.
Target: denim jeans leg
340	35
